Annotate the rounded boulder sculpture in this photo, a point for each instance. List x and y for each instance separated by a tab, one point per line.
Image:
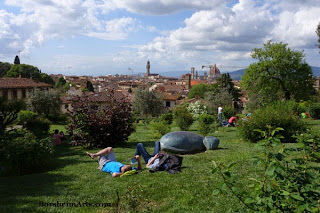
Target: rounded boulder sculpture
182	142
211	142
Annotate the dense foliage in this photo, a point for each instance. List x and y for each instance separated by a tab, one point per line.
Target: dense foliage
199	90
225	82
228	112
205	122
38	126
25	116
4	68
182	117
147	102
288	181
314	110
214	99
101	126
278	114
9	112
167	117
46	103
280	73
23	153
90	86
60	82
159	128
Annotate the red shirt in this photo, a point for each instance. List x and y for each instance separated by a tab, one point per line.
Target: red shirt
232	119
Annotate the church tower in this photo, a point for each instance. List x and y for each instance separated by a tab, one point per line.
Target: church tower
148	68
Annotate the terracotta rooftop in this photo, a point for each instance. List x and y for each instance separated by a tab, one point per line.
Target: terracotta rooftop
171	97
103	97
17	83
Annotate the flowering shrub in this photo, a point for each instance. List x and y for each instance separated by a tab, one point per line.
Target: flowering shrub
196	109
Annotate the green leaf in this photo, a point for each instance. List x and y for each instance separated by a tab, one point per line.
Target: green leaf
270	171
297	197
216	192
224	187
230	166
249	200
285	193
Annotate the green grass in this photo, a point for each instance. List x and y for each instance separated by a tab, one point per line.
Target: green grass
74	177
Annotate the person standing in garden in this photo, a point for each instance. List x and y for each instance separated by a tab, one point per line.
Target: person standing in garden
220	110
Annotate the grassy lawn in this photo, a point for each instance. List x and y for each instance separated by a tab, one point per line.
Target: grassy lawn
74	178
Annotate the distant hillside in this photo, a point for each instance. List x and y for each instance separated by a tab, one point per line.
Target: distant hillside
235	75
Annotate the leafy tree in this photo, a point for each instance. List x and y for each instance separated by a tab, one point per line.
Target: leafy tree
147	102
104	126
199	89
4	68
182	117
280	73
17	60
9	112
90	86
46	103
60	82
46	78
223	97
25	70
225	82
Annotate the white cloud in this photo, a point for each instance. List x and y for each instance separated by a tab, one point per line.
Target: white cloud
41	20
229	34
164	7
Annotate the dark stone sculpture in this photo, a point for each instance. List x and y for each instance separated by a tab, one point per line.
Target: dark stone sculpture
211	142
182	142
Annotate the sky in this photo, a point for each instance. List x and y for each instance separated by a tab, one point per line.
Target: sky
101	37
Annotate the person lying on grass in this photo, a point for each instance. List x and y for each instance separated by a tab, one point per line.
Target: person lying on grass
152	161
159	160
108	162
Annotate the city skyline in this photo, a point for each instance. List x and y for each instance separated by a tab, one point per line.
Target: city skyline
90	37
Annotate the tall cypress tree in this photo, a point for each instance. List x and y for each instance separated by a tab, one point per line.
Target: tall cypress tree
17	60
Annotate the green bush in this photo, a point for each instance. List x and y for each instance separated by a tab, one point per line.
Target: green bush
205	122
182	117
159	128
279	114
167	117
39	127
25	116
228	112
314	110
59	119
24	153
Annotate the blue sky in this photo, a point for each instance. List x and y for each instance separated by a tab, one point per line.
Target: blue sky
100	37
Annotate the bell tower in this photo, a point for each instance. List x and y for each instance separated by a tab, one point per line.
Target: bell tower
148	68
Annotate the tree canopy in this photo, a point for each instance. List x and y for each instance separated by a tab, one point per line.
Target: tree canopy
60	82
199	89
225	83
280	73
46	103
9	111
4	68
25	70
147	102
16	60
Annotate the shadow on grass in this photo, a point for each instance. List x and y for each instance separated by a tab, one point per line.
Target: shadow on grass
14	190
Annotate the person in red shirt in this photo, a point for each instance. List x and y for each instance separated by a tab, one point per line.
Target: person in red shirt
232	120
57	137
